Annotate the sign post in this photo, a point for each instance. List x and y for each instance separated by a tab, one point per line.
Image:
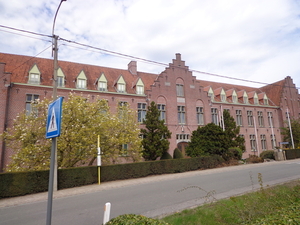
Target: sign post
99	159
53	131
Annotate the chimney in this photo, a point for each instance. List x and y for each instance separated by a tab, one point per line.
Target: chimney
132	67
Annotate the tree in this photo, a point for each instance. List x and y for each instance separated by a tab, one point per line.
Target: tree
82	122
232	132
207	140
155	135
285	131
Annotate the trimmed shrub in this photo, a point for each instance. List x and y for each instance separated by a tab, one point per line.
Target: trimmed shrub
22	183
254	159
268	154
166	155
177	154
130	219
233	153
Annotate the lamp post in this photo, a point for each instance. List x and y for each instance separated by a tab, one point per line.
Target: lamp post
53	159
54	95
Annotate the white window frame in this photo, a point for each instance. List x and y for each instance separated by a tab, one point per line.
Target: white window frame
34	78
140	89
214	116
260	118
250	118
162	111
142	110
102	86
179	90
181	114
200	115
239	117
81	83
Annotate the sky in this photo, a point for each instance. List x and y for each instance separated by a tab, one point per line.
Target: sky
257	40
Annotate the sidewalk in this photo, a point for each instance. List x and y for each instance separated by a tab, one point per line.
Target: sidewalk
9	202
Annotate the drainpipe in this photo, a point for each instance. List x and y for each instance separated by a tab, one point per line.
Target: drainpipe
5	127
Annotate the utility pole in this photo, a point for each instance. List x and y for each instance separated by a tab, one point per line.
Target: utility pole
53	161
54	96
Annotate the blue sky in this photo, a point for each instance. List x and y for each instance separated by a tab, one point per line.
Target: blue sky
257	40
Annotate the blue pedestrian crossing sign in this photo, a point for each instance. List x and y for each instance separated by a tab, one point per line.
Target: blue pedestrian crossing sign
54	118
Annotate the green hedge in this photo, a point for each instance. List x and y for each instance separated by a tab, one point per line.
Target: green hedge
292	153
22	183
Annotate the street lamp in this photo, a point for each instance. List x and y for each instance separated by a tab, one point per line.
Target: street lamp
53	159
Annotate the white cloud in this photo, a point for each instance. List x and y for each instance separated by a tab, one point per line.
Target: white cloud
256	39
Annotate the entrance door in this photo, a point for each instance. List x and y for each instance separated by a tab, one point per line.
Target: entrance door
181	146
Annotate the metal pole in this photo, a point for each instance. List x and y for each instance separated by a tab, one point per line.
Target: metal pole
54	95
51	180
270	117
291	132
256	137
53	160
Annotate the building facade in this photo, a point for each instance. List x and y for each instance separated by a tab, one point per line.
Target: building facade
184	101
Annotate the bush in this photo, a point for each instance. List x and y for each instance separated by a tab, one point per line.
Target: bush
177	154
254	159
131	219
269	154
166	155
233	153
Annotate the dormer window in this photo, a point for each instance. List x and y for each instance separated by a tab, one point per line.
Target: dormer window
60	78
211	94
245	98
140	87
34	78
266	101
34	75
223	95
121	85
234	97
81	81
102	83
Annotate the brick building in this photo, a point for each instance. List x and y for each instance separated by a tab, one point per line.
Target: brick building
185	102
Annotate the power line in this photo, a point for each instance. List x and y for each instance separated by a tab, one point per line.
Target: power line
136	58
25	31
164	64
24	35
28	60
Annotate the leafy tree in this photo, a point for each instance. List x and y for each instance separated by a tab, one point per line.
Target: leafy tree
27	139
285	131
208	140
156	134
232	132
82	122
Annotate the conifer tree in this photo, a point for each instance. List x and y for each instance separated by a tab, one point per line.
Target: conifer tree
232	132
285	131
155	135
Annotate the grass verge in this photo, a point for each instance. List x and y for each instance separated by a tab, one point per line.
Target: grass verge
269	205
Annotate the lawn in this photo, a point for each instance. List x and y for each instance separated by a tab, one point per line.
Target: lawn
270	205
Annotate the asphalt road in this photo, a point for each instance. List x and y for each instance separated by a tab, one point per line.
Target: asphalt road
152	196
